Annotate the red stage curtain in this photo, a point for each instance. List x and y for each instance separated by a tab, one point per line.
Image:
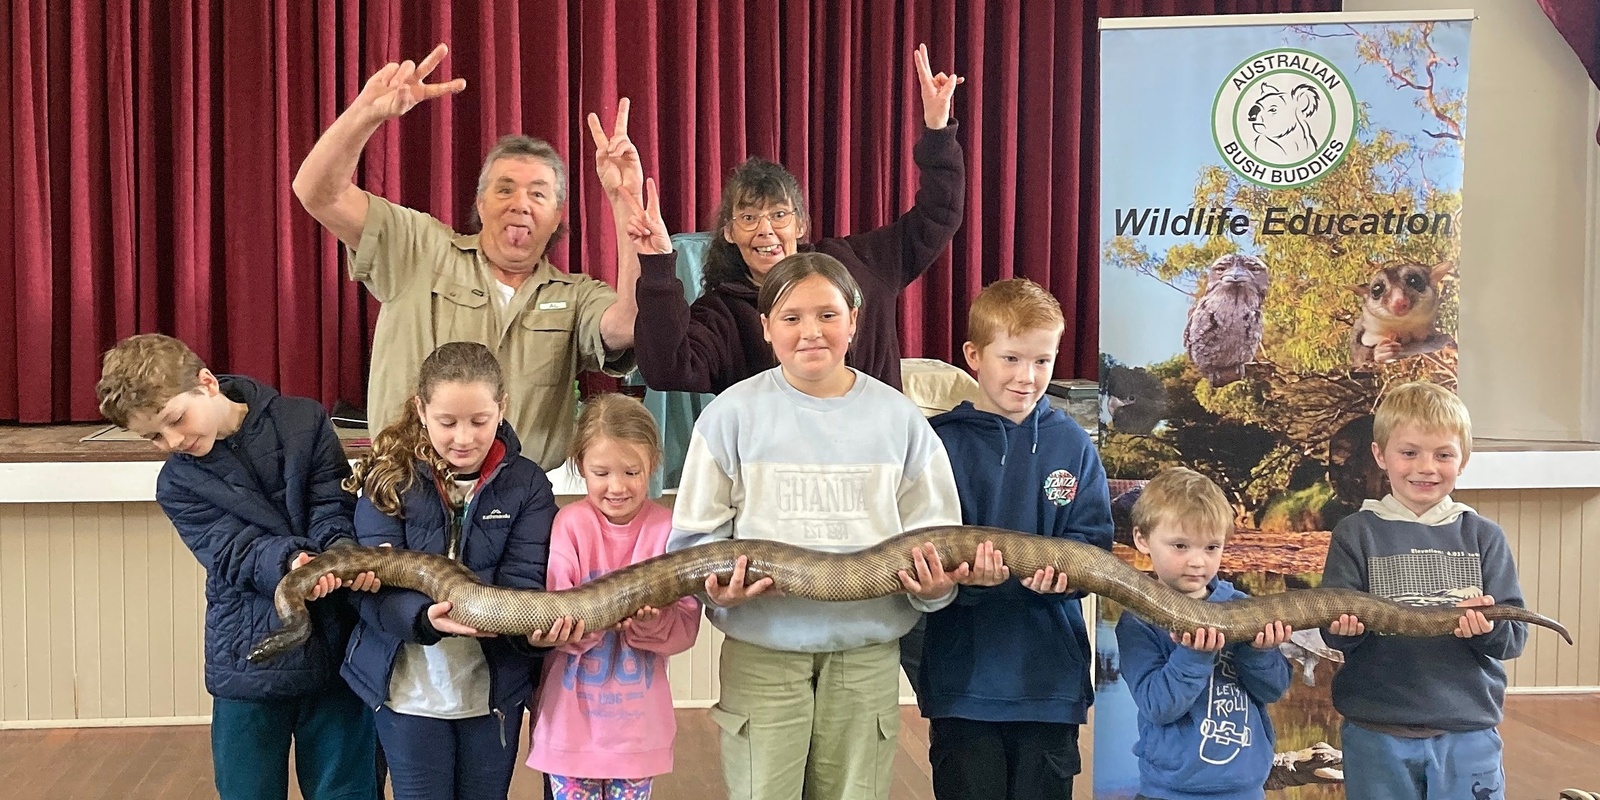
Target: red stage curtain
1579	23
149	150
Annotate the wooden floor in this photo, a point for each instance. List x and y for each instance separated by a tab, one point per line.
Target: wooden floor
1551	742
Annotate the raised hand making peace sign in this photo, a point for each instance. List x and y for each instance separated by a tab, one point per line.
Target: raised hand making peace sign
646	229
616	160
937	90
397	88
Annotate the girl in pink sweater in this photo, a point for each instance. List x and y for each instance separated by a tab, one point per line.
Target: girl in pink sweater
604	727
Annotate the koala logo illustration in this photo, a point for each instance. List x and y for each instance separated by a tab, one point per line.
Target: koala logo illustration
1284	118
1282	122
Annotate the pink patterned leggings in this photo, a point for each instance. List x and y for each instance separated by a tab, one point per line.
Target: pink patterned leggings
599	788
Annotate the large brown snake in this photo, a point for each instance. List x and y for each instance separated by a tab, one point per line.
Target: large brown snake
861	575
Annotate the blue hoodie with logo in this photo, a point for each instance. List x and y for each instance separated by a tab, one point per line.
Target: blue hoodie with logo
1006	653
1204	733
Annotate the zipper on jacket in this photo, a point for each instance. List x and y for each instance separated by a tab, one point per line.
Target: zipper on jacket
500	715
255	477
453	528
455	544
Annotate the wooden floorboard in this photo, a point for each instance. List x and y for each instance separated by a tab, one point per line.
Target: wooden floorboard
1551	742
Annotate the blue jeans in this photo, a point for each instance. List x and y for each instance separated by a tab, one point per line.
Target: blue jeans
450	759
333	746
1379	766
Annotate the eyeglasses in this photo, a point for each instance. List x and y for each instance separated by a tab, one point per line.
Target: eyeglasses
779	217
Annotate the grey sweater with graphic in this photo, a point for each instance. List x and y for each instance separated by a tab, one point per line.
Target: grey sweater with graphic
834	474
1444	683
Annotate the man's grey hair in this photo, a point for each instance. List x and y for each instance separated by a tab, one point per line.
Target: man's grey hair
518	146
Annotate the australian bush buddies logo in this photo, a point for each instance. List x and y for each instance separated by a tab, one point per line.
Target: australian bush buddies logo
1283	118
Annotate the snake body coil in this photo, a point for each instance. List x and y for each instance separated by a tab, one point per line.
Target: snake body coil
860	575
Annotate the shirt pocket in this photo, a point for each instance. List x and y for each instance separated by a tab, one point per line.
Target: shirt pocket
487	539
1164	747
460	311
546	346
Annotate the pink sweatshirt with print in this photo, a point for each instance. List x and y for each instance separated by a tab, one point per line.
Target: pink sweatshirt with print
605	707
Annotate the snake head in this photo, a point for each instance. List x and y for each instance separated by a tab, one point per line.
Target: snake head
290	636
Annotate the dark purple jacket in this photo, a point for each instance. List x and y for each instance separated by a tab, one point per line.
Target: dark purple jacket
717	341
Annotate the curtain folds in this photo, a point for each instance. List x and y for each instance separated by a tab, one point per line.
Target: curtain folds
150	147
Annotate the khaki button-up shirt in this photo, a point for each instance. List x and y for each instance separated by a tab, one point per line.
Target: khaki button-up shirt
435	287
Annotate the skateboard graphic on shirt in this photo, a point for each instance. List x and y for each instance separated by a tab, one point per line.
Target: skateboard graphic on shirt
1225	731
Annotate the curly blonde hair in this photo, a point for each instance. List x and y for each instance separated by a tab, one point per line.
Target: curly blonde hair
141	373
387	473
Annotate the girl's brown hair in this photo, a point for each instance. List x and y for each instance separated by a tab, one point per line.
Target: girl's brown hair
387	472
619	417
788	273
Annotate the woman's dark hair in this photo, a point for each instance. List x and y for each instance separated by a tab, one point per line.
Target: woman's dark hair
756	182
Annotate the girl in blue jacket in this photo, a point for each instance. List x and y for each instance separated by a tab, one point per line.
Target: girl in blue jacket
448	478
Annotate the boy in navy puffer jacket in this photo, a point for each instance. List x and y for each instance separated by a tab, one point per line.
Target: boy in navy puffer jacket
252	484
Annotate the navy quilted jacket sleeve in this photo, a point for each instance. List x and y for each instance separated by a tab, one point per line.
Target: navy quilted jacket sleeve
242	555
332	507
528	547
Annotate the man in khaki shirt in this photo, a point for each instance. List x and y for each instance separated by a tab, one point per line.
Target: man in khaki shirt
495	287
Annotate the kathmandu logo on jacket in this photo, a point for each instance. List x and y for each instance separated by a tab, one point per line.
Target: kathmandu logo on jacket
1060	487
495	514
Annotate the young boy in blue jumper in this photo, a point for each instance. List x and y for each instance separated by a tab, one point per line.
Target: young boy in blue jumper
252	486
1204	733
1004	680
1420	714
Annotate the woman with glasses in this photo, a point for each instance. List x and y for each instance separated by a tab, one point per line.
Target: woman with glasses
717	341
